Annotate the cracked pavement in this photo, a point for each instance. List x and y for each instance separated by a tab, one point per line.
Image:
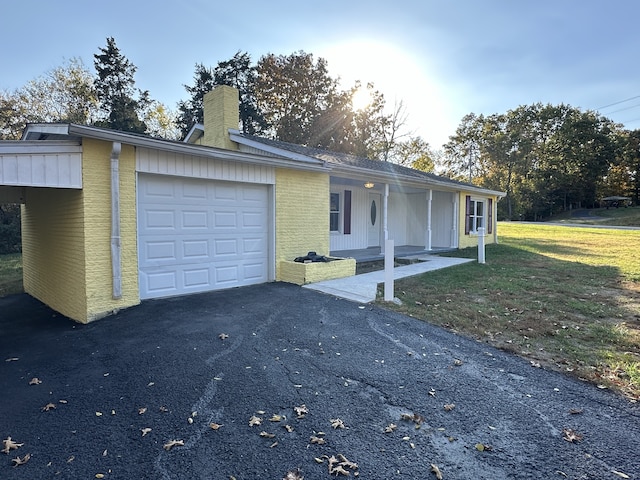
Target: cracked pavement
286	347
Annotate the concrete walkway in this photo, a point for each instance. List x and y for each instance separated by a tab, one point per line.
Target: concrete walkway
362	288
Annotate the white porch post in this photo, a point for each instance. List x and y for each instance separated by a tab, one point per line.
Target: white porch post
454	226
385	209
427	240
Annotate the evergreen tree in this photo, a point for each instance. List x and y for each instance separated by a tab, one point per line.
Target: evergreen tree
115	88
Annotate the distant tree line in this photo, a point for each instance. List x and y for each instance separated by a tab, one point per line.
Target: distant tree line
547	158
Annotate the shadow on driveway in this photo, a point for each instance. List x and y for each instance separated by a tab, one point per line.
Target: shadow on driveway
288	347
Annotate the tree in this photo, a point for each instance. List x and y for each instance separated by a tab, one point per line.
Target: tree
63	94
161	121
291	92
121	103
191	111
416	153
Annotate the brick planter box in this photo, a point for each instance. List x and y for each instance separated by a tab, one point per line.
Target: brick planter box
303	273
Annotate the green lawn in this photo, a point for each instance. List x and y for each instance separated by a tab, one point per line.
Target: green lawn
10	274
566	298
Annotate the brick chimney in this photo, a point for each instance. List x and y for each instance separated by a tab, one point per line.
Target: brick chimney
221	112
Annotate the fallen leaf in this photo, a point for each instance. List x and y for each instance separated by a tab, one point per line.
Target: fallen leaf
99	475
273	445
35	381
390	428
223	336
276	418
413	417
576	411
288	428
189	420
620	474
12	359
104	454
71	459
173	443
320	459
294	474
267	434
436	470
338	470
150	384
571	436
481	447
215	426
337	423
9	445
318	440
21	461
449	406
253	421
142	410
145	431
63	401
49	406
301	411
98	414
163	409
347	463
456	363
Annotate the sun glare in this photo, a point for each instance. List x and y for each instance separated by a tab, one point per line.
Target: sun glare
399	74
361	99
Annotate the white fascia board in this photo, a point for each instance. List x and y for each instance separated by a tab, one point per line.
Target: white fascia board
236	137
187	148
195	133
35	129
398	179
25	147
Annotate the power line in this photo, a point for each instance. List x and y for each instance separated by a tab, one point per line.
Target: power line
623	109
617	103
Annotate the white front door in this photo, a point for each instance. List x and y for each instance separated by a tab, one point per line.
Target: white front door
374	213
197	235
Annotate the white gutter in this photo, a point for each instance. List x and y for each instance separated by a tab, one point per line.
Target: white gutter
116	246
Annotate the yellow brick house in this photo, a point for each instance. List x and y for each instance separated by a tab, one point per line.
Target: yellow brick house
111	218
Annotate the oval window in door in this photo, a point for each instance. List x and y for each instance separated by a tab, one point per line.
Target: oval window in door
374	212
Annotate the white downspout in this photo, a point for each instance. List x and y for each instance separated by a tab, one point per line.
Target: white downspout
454	227
427	243
116	270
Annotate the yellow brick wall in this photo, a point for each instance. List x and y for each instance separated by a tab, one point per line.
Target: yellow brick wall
221	112
302	218
67	239
97	204
53	249
472	240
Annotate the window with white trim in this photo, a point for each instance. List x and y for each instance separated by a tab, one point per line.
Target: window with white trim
474	215
334	212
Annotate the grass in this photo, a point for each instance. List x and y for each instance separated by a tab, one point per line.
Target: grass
10	274
566	298
629	217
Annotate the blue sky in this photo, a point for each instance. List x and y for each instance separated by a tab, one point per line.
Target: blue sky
443	59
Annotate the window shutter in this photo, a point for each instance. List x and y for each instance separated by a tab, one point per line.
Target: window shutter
490	222
347	212
467	215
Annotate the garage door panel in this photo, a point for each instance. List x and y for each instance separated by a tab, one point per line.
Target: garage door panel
199	235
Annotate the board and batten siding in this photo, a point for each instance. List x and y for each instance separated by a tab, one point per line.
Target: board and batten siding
170	163
47	165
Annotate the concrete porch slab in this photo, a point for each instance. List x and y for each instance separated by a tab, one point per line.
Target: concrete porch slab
362	288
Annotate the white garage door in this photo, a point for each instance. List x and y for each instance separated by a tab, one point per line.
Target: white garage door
197	235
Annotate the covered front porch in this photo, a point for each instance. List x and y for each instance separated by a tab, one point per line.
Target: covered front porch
372	254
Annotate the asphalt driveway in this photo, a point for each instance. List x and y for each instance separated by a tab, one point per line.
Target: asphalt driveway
299	365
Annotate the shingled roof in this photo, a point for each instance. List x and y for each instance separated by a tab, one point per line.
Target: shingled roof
348	160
